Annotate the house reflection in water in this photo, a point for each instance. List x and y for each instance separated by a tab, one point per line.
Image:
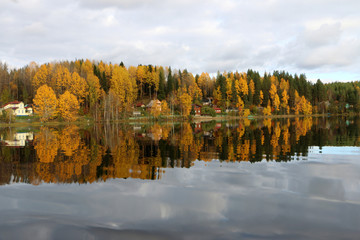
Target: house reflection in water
18	139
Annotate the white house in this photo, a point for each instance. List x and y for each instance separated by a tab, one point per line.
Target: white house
18	108
18	139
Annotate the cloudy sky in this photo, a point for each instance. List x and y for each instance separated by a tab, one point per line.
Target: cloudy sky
320	38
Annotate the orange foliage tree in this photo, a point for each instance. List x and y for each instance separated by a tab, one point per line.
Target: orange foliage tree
68	106
165	110
41	77
45	103
185	103
46	145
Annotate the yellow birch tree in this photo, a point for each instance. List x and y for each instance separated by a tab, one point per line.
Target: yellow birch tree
185	103
165	110
78	87
41	77
45	103
68	106
285	101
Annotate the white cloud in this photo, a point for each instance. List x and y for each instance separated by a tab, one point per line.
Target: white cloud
200	36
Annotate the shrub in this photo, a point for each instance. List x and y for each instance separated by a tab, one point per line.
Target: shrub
208	111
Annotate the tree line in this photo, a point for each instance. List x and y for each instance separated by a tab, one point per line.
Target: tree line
107	91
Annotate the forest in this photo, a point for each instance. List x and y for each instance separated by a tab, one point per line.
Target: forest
66	90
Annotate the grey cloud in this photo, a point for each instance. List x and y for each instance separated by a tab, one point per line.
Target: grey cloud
200	36
35	28
118	4
326	34
135	4
335	56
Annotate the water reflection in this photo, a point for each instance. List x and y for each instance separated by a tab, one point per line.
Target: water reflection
71	154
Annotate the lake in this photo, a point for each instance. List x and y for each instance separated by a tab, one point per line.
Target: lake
295	178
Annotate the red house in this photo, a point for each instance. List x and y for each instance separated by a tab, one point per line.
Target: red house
197	109
198	127
217	110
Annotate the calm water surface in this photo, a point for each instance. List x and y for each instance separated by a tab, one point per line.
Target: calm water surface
263	179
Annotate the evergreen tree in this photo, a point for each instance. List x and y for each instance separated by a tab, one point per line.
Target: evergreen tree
257	82
319	92
221	81
170	83
266	84
161	92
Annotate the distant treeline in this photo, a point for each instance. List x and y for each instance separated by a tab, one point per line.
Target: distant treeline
112	91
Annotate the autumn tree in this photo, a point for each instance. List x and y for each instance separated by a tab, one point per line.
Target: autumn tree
272	91
68	106
141	78
285	101
206	84
267	109
78	87
185	103
195	92
306	107
261	97
297	104
62	79
242	86
276	102
46	144
229	88
45	103
217	95
41	77
123	87
7	116
94	93
165	110
152	79
240	104
246	112
252	87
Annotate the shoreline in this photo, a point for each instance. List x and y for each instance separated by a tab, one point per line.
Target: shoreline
196	119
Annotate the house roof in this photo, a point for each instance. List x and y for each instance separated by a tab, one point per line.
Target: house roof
152	102
13	102
197	105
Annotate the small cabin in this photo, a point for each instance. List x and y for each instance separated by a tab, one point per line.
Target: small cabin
207	101
152	103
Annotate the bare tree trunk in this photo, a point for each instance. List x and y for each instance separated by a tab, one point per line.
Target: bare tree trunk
104	106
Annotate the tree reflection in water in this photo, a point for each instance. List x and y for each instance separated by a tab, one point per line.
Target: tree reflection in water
74	155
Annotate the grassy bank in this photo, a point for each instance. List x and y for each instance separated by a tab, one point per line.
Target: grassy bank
87	121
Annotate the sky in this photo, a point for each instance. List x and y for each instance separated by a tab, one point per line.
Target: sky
320	38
